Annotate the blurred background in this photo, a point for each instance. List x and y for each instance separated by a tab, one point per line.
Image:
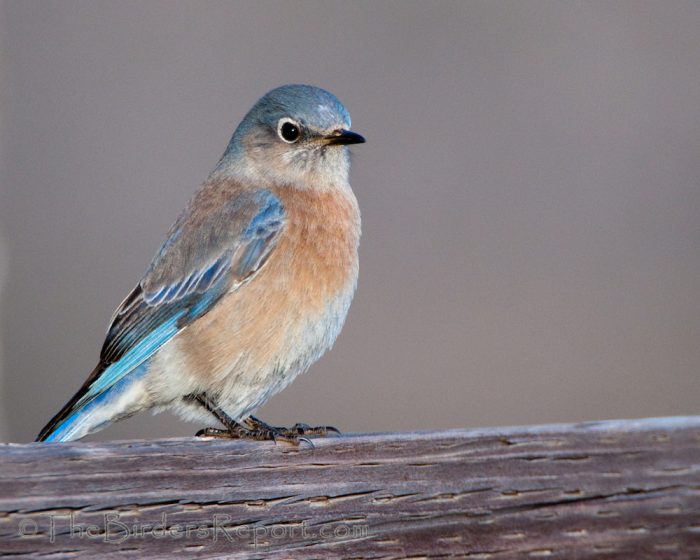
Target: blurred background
530	193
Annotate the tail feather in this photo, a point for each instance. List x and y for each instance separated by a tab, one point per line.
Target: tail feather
70	407
94	405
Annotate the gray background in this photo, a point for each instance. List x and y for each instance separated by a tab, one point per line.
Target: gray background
530	194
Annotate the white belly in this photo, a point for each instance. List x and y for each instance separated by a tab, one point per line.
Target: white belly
241	387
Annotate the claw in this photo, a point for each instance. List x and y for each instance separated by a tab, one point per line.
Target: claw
254	428
305	429
294	435
213	432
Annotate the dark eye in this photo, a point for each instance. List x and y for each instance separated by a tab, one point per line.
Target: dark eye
288	130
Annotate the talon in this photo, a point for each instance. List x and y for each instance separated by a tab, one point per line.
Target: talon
305	429
214	432
254	428
290	434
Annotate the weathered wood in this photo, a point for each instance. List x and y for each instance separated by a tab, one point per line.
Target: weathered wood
621	489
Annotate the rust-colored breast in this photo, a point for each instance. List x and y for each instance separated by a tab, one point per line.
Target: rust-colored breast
313	265
319	247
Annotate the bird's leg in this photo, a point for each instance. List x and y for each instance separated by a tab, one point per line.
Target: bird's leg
209	404
232	427
233	430
296	431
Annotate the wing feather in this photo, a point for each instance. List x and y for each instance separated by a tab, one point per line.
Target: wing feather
219	242
204	257
185	280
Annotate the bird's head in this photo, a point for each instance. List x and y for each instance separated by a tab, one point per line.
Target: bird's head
295	134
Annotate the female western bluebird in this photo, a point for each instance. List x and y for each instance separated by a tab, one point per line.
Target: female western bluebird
251	286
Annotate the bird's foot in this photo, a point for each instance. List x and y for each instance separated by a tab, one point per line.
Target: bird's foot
234	430
259	431
213	433
254	428
297	433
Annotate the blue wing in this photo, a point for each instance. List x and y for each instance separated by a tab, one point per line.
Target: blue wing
220	241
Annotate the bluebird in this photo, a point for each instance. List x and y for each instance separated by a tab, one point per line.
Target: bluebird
250	288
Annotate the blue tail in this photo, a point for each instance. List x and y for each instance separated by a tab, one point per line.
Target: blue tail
80	417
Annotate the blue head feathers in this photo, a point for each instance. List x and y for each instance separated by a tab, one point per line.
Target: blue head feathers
298	120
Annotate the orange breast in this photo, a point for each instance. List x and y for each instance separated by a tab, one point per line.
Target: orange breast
261	325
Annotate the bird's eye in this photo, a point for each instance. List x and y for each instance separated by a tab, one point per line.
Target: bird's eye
288	130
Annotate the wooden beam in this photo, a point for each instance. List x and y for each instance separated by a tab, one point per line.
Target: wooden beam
617	489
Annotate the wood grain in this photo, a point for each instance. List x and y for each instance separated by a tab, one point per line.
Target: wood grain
617	489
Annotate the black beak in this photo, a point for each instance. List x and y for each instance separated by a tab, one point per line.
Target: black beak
344	137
